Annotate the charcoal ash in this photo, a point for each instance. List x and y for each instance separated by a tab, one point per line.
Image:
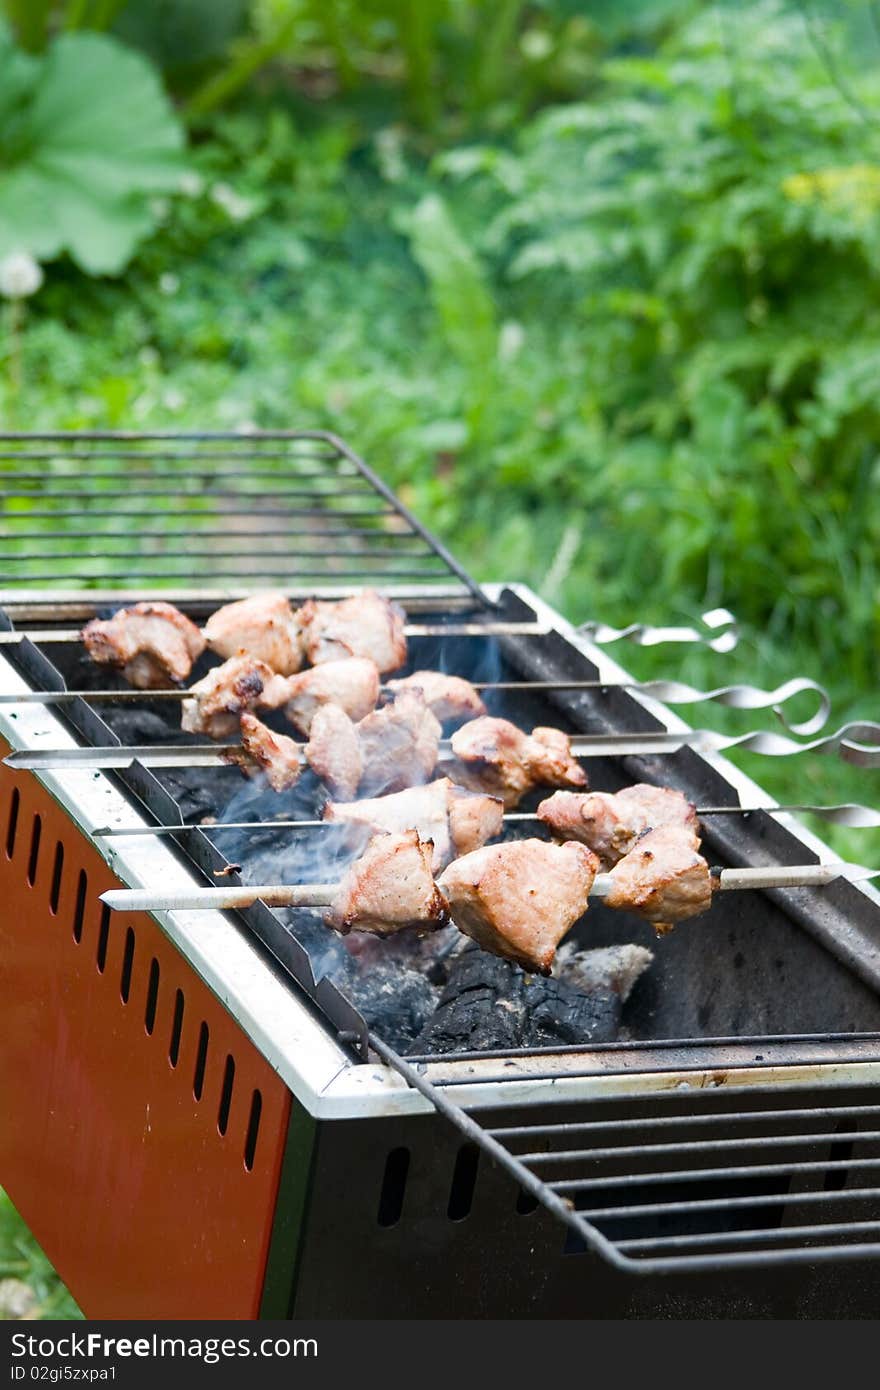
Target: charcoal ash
617	968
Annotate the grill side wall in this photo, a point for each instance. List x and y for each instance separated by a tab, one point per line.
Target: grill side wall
149	1179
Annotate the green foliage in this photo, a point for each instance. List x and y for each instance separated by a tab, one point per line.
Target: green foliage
180	35
712	222
22	1259
87	136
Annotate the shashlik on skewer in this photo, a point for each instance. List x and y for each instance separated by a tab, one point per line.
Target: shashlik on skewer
520	899
455	820
454	699
493	755
264	626
155	645
517	899
848	813
216	703
609	823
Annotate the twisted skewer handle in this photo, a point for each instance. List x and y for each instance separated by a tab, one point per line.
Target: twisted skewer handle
717	621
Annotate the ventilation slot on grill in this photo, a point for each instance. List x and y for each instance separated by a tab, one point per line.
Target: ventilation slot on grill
253	1130
34	856
57	871
103	938
12	823
201	1060
82	888
464	1180
152	997
393	1187
127	963
176	1029
226	1094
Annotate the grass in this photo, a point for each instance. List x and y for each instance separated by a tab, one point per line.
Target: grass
22	1261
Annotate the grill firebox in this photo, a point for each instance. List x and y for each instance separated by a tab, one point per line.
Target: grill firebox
202	1129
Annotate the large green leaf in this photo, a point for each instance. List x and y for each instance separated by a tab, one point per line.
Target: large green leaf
88	138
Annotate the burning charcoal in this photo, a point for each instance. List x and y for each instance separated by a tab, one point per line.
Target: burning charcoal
365	625
396	1002
263	626
154	644
489	1004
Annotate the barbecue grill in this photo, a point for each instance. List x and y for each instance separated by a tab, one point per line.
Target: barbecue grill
196	1125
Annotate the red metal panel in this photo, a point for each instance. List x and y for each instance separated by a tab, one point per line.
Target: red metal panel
109	1148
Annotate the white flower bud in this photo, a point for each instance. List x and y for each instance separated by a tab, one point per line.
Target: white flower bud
20	275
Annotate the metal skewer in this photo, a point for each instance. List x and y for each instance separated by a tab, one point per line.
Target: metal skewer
323	894
858	743
745	697
849	813
718	621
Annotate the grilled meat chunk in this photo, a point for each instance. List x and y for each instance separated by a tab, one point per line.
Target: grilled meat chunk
448	697
495	756
263	626
333	751
391	887
217	701
519	899
474	817
153	644
352	684
455	820
365	625
262	751
399	744
611	822
663	878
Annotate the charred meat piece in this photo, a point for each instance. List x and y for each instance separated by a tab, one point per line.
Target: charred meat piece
333	751
448	697
262	751
264	626
217	701
663	878
611	822
391	887
352	684
364	625
153	644
519	899
455	820
399	744
495	756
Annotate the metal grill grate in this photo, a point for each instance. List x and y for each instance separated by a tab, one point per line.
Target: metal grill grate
294	508
685	1180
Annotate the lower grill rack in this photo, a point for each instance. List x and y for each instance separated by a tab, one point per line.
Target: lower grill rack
748	1176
